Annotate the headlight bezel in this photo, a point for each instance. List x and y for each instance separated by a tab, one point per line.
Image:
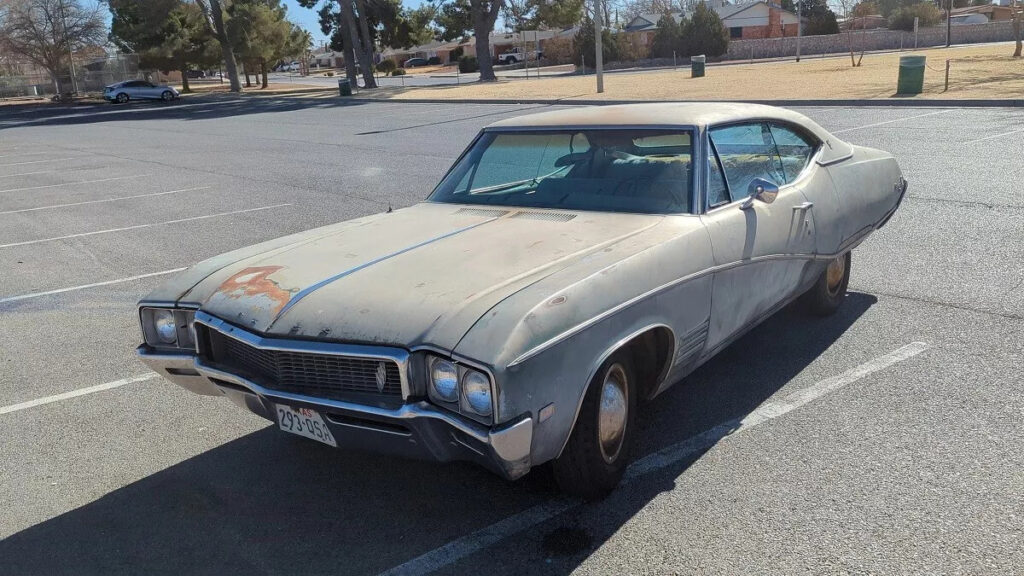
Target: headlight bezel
184	329
461	404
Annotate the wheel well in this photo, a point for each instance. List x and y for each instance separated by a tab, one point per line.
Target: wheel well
651	352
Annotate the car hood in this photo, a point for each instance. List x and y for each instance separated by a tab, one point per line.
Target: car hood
418	276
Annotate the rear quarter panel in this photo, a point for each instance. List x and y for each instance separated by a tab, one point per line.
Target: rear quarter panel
868	187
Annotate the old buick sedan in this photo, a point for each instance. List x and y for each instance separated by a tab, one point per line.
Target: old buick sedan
570	265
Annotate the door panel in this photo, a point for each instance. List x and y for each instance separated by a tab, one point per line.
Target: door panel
761	251
755	249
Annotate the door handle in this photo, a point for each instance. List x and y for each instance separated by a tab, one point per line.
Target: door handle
804	206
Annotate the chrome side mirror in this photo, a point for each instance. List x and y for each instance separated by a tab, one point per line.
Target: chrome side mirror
760	189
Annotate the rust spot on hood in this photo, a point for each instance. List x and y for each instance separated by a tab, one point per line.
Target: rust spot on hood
254	284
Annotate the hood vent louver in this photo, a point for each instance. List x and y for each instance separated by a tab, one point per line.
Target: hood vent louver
482	212
545	216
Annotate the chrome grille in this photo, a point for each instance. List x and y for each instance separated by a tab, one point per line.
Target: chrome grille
309	374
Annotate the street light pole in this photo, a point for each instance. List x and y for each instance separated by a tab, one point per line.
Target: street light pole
598	49
949	20
799	27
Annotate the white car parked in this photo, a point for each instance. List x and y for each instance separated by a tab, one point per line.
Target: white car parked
122	92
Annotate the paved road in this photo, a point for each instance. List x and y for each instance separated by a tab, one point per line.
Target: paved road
810	446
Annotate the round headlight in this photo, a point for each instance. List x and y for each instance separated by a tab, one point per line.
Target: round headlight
476	389
166	331
444	377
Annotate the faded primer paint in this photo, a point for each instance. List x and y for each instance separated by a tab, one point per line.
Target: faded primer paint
256	286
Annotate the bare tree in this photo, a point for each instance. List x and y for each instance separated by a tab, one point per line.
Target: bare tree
852	12
47	32
215	18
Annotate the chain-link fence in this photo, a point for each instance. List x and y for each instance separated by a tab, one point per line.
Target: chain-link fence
90	75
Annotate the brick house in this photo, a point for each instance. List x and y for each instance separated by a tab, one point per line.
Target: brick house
744	21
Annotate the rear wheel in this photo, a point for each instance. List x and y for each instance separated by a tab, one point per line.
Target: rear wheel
122	98
167	96
600	448
828	293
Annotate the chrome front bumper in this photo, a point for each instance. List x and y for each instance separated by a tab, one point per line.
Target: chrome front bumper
415	429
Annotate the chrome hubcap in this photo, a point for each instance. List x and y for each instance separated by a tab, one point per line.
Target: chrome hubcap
834	274
613	413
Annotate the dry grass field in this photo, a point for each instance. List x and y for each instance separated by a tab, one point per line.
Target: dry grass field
976	72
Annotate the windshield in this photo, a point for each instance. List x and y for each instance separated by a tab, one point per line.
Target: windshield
624	170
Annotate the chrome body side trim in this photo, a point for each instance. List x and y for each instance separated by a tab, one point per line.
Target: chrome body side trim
852	242
398	355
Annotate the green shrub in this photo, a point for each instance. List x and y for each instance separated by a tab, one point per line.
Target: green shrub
584	44
468	64
455	54
398	72
903	18
704	33
386	66
434	61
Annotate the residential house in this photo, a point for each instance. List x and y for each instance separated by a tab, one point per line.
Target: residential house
991	12
501	42
326	58
437	48
744	21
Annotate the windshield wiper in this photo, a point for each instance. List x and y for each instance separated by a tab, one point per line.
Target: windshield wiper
529	184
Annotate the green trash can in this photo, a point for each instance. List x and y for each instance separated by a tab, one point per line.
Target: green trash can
697	66
345	87
911	79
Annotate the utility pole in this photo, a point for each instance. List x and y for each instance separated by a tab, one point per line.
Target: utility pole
598	49
949	21
799	27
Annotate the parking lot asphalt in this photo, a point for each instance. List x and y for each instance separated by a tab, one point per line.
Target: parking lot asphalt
885	439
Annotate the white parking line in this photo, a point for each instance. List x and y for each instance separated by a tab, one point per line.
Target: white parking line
77	393
72	183
28	173
994	136
481	539
890	121
31	295
139	226
24	154
41	161
52	206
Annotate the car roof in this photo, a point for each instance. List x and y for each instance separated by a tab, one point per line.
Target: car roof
663	114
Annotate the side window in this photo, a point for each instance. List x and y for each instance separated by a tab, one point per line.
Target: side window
747	151
794	149
718	191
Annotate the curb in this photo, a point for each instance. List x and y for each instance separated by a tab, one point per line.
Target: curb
886	102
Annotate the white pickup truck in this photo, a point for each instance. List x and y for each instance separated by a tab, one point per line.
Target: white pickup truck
517	54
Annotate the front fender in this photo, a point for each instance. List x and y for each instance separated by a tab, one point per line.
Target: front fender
550	385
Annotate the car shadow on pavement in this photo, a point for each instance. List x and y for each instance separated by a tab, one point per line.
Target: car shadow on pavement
269	504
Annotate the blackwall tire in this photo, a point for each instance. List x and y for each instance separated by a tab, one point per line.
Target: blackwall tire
601	445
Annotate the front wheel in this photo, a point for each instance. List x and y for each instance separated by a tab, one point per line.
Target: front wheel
829	291
167	96
600	448
122	98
